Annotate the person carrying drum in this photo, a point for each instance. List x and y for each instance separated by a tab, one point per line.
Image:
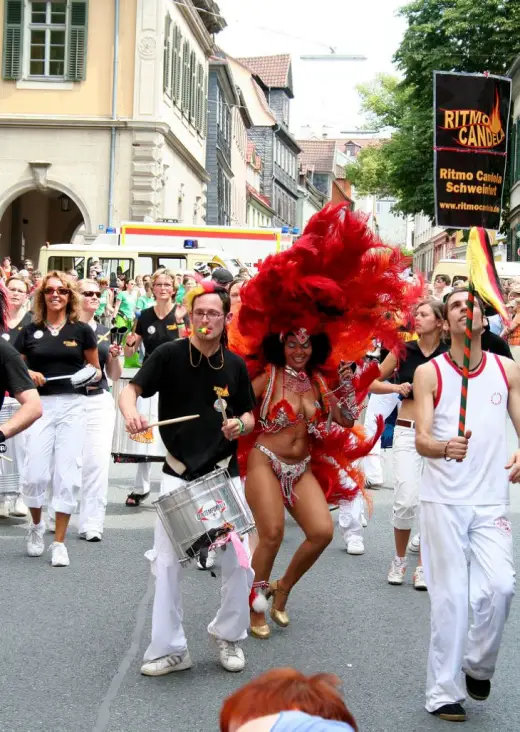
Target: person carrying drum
196	375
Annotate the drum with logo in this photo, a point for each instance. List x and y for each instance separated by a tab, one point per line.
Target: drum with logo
124	449
10	469
196	513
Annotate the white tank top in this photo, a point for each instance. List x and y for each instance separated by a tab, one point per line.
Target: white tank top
481	478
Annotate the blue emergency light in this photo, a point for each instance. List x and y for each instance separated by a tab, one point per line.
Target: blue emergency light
191	244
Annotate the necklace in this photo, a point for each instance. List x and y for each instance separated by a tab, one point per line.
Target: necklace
297	381
215	368
55	329
460	367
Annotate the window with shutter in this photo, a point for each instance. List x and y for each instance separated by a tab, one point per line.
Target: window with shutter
177	65
77	51
193	86
186	78
205	97
517	147
199	121
167	68
13	39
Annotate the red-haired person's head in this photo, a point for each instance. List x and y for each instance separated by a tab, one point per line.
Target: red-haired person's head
283	690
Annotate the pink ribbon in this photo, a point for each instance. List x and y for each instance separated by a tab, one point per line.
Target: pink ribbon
234	538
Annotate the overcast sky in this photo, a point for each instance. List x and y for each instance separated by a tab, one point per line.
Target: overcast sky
325	92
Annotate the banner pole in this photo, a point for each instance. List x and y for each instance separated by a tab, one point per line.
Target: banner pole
465	364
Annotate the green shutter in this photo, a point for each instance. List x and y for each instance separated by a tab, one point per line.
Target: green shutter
193	86
205	100
13	39
512	155
177	65
516	169
77	63
186	78
167	57
199	121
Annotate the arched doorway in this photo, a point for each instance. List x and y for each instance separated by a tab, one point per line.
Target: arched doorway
34	218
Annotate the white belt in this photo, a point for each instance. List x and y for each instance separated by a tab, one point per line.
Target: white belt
179	468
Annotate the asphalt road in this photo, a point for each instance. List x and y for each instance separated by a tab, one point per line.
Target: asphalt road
72	639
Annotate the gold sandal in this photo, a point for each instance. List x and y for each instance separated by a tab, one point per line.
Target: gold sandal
260	631
280	617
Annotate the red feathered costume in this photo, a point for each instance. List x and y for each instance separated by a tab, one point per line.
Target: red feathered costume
341	280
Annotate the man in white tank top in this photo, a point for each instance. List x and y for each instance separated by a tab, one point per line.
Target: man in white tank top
466	540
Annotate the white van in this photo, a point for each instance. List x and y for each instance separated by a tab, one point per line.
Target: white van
459	268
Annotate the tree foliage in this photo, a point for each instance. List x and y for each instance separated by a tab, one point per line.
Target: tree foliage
442	35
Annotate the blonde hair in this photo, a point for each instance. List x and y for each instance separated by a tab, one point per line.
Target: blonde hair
89	282
16	278
165	273
73	308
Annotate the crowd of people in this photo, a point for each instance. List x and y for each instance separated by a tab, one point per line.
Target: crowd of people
277	369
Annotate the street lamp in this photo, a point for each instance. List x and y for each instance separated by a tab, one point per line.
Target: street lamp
64	203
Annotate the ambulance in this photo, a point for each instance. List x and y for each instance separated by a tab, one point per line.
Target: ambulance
141	248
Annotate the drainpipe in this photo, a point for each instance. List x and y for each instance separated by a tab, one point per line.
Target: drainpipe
113	132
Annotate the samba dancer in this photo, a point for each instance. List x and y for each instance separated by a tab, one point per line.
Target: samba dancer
309	312
165	321
101	416
190	375
56	344
17	318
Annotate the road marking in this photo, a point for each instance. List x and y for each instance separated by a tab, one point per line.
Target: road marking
103	718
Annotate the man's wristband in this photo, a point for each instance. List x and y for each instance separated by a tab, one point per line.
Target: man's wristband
242	426
448	459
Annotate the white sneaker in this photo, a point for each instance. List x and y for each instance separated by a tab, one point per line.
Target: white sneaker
93	535
397	571
51	523
60	555
19	509
210	560
414	545
419	582
167	664
355	545
5	508
35	542
231	656
364	521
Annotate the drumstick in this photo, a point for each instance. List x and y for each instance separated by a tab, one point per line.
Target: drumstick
166	422
222	408
4	457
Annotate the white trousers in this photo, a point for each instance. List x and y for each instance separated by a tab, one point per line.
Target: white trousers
232	619
383	404
408	466
150	408
349	519
15	449
452	536
54	453
100	421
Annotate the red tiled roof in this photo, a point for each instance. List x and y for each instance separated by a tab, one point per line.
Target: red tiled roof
273	70
318	154
259	197
252	156
361	141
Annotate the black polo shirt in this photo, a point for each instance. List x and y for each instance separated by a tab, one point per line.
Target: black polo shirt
415	358
12	333
186	389
60	355
14	377
155	331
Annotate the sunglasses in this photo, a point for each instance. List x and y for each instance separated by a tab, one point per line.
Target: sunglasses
60	290
91	293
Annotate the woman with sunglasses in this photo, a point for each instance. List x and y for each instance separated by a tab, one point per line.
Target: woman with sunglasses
100	418
165	321
17	318
56	343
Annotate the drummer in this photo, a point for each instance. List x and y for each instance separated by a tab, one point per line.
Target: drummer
17	318
189	376
56	344
165	321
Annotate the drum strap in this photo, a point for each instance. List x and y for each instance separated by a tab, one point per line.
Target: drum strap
179	468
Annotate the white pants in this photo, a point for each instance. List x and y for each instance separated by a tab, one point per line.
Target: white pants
232	619
100	418
408	466
15	448
54	453
150	408
349	519
383	404
450	537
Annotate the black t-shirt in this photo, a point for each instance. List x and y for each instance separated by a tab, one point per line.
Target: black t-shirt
414	358
60	355
184	389
103	346
14	377
12	333
155	331
495	344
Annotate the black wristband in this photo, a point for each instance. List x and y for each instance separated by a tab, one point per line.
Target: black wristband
3	438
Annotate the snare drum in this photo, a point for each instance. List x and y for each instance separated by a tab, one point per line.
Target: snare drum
9	471
124	449
191	510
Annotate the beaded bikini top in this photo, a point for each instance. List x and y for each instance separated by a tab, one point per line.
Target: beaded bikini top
276	417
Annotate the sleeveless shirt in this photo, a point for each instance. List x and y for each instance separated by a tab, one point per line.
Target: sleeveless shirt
480	479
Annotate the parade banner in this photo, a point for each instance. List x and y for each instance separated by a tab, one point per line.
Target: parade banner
470	148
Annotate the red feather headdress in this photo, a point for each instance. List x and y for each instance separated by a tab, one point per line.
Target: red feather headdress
339	278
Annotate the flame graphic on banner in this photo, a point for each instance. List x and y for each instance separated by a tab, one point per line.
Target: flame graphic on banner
495	123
